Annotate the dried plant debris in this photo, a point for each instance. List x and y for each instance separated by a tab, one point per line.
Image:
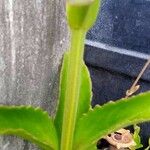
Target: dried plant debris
119	140
122	139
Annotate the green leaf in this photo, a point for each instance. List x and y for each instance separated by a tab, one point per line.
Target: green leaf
82	14
101	121
30	123
137	137
85	93
92	147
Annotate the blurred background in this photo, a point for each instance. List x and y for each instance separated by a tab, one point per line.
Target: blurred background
117	48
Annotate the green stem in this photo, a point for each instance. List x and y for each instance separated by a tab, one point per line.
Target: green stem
72	89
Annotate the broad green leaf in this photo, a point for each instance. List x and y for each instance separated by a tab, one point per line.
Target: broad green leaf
30	123
92	147
101	121
137	137
82	14
85	93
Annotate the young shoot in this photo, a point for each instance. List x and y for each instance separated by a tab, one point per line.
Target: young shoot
76	125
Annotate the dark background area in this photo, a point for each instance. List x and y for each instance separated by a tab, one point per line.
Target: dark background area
124	23
117	47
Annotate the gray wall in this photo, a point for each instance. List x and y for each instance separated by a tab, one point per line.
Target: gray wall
33	37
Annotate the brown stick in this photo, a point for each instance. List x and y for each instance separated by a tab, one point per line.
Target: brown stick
134	86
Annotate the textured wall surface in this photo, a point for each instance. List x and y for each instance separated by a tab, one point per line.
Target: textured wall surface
33	37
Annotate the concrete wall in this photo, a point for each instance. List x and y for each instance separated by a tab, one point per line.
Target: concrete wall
33	37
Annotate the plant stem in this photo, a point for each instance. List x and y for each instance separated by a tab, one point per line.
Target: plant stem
72	88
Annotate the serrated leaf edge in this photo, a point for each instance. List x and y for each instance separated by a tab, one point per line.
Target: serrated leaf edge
97	107
26	107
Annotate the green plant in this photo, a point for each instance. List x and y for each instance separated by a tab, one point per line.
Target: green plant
148	146
137	137
76	125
